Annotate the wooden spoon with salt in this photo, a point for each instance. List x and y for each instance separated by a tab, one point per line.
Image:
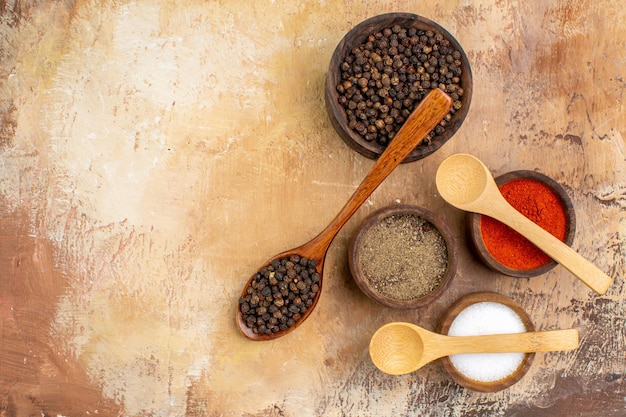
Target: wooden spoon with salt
466	183
400	348
424	118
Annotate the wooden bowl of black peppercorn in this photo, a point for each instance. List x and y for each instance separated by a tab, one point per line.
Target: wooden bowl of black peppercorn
382	69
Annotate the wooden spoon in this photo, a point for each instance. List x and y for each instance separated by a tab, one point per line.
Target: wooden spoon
400	348
424	118
466	183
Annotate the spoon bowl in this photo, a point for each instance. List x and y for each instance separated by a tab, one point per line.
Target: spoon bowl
397	349
424	118
400	348
466	183
310	251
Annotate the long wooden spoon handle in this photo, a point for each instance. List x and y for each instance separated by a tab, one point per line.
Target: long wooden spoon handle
546	341
424	118
584	270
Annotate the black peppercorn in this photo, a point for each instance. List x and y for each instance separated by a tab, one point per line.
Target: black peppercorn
279	294
393	69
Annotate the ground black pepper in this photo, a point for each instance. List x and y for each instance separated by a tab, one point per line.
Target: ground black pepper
279	294
385	78
404	257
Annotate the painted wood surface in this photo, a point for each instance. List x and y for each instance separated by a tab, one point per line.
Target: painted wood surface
154	153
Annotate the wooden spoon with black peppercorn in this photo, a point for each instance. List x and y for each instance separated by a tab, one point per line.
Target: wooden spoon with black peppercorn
424	118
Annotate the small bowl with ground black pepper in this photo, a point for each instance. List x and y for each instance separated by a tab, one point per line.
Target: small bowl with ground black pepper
382	69
539	198
403	256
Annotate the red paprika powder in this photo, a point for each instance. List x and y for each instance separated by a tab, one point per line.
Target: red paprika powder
540	204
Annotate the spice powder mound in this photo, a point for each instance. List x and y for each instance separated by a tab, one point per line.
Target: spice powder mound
404	257
540	204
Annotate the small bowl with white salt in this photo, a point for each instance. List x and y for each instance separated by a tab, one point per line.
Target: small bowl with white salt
484	313
403	256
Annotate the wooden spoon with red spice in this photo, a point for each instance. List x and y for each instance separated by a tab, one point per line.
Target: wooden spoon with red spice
466	183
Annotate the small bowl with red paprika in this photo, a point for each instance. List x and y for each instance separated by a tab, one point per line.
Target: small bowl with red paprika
542	200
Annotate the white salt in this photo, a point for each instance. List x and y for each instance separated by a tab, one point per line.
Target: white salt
480	319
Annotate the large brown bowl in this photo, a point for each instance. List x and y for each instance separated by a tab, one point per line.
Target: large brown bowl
477	243
451	314
355	261
357	36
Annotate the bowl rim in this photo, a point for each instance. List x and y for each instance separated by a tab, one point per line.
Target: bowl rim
444	326
478	245
337	114
376	217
